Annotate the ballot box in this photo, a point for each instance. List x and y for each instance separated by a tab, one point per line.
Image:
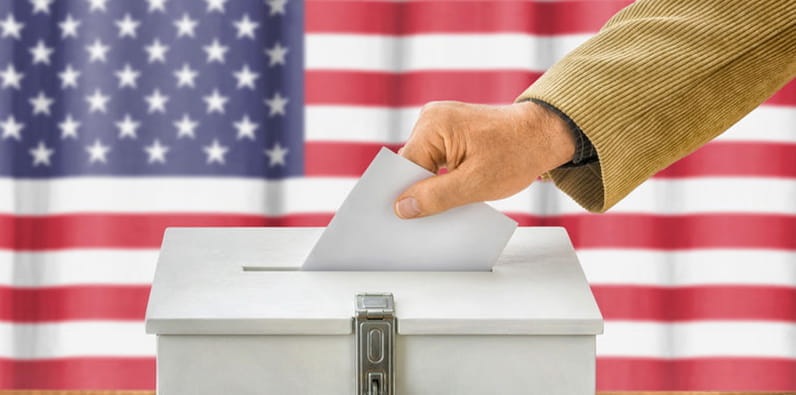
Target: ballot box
234	314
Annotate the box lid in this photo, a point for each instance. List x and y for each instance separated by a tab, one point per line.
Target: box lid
248	281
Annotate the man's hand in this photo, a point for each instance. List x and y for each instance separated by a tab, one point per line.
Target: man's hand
491	152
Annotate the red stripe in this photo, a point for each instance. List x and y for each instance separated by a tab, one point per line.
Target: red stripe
736	159
717	159
98	230
617	302
340	159
83	373
765	303
785	96
613	374
698	374
673	231
587	231
416	88
84	302
418	17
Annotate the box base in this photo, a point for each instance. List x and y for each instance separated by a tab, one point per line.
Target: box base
439	364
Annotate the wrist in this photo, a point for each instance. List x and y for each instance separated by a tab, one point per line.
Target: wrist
556	139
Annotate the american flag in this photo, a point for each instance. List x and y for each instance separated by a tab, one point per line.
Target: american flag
119	118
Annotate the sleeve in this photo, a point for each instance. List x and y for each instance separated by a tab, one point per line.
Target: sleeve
661	79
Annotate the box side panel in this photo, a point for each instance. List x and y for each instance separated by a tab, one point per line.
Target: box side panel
243	365
476	365
438	365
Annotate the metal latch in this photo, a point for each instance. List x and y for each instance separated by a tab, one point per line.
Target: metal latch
374	332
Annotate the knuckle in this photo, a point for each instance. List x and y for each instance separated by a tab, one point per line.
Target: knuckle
429	108
438	107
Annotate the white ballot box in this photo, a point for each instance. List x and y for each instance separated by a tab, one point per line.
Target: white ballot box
234	314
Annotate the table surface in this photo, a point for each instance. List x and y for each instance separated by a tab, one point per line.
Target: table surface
32	392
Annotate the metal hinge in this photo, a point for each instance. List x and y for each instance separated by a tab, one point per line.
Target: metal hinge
374	332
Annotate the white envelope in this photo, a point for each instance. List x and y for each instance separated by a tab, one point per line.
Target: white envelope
365	233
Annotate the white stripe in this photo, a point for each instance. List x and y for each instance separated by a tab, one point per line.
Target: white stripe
77	267
393	125
379	125
621	339
689	268
437	51
697	339
670	197
773	124
75	339
170	195
324	195
602	267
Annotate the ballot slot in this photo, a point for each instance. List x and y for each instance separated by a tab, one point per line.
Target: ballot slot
247	268
260	268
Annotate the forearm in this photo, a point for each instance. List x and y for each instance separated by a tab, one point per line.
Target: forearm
661	79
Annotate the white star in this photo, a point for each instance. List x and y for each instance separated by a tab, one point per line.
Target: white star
157	51
127	26
69	77
97	5
276	54
41	6
157	102
245	27
276	105
276	155
69	127
11	27
185	127
215	102
156	152
185	26
69	27
215	5
127	76
97	51
277	6
246	128
41	154
11	128
11	77
185	76
215	152
157	5
215	51
246	77
41	104
41	53
97	152
127	127
97	102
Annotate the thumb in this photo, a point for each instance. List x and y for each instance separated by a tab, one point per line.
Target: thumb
434	195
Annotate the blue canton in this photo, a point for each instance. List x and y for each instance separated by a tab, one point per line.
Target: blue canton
149	88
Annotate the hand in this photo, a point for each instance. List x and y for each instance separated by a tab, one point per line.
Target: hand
491	152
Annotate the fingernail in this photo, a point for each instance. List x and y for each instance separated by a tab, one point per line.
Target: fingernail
407	208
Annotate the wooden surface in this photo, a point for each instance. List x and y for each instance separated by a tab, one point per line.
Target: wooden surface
599	393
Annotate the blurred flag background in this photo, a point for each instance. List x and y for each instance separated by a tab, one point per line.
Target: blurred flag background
119	118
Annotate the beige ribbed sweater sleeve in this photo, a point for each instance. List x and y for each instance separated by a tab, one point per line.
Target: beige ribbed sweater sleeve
662	78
